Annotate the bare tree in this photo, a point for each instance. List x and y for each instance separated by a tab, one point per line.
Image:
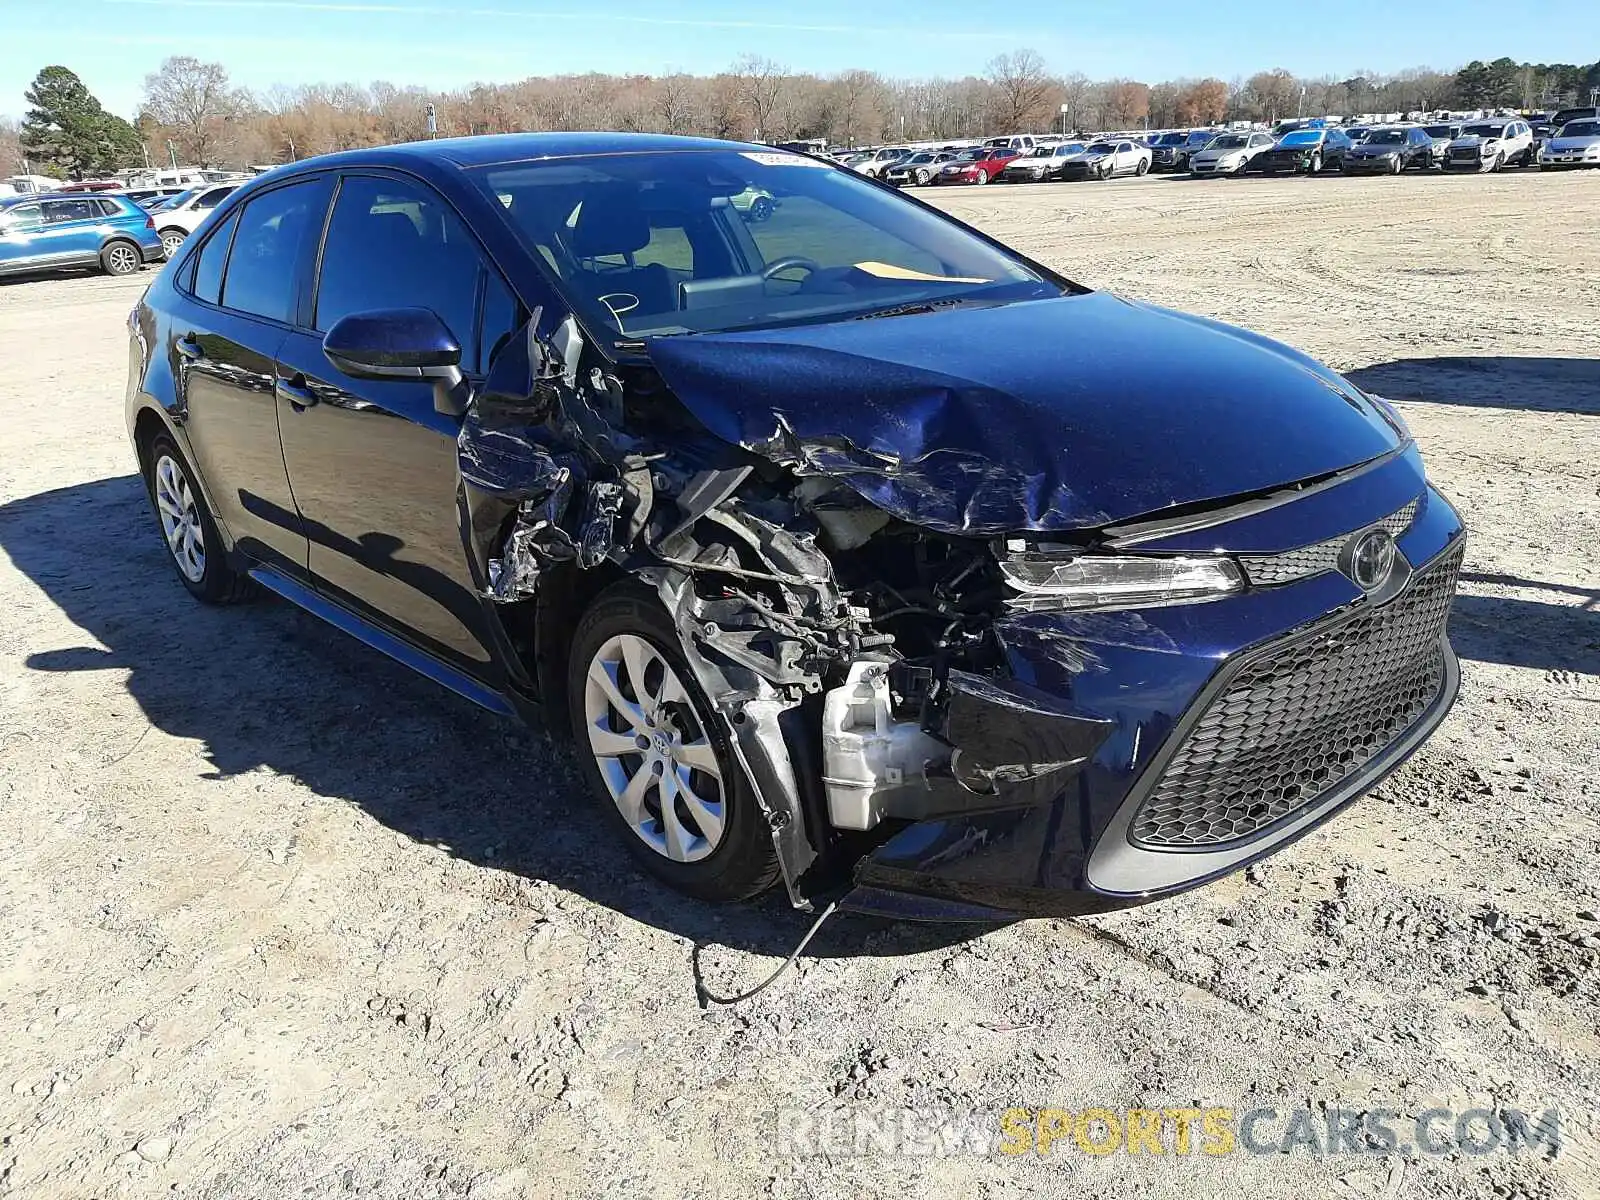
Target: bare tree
193	100
675	106
1022	85
761	84
10	147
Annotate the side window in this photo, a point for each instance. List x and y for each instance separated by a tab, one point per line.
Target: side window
394	244
21	217
209	263
1125	148
213	198
59	212
501	316
266	249
109	208
669	244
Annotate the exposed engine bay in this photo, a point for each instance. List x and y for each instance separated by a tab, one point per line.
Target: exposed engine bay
854	658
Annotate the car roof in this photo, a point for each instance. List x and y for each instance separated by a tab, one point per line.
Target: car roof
24	197
489	149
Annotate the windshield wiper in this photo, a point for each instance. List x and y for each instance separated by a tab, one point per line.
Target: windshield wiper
917	308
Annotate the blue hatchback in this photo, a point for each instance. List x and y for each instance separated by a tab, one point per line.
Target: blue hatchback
43	232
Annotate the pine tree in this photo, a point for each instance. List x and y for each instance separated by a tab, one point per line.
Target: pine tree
66	127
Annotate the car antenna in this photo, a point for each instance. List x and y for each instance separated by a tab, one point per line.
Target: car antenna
707	997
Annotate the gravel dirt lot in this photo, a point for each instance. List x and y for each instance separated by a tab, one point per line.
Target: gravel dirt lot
278	918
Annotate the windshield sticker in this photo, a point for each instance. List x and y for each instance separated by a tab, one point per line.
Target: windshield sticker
769	158
890	271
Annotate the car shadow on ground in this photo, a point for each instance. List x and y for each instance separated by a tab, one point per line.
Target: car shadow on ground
1532	384
264	685
267	686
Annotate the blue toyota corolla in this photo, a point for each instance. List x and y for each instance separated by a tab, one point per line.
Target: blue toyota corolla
856	551
54	230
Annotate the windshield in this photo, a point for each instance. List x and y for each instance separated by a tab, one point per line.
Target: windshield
651	244
175	201
1229	141
1101	148
1171	139
1067	148
1302	137
1387	137
1441	131
1581	129
917	158
1486	131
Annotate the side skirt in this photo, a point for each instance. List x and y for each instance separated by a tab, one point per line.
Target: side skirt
385	643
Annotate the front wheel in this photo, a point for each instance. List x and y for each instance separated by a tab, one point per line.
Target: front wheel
1498	162
656	757
121	258
983	177
922	177
1399	166
193	544
171	241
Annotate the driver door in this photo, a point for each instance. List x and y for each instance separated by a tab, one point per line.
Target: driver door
372	464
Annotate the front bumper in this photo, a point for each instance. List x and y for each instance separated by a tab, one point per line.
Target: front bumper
1081	839
1366	165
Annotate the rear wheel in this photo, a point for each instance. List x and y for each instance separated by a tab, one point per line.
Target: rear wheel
120	258
193	543
1142	167
656	756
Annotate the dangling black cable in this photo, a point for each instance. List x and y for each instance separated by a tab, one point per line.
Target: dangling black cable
707	997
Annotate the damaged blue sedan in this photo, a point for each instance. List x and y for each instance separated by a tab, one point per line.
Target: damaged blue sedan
857	553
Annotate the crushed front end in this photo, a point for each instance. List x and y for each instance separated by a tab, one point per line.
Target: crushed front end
943	716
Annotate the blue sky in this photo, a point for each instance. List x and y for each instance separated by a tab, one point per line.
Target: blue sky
112	44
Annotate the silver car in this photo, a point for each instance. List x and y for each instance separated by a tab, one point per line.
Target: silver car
1041	165
1228	154
1575	144
918	169
1442	136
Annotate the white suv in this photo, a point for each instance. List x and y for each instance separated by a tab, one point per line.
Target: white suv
1490	145
181	215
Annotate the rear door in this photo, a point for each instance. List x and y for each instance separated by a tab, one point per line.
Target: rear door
239	297
372	464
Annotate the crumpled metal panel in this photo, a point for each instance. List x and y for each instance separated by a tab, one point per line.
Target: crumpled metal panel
1043	415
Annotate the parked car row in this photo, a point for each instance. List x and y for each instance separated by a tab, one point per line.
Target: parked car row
1306	147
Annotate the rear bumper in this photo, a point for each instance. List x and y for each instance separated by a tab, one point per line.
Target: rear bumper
1072	845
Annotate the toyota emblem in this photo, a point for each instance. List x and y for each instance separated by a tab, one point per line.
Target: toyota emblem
1371	559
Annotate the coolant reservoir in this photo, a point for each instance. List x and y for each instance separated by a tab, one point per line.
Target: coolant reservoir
873	765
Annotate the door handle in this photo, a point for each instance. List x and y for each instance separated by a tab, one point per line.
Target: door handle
296	392
188	347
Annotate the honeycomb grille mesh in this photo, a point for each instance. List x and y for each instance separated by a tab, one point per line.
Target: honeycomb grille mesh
1267	569
1293	724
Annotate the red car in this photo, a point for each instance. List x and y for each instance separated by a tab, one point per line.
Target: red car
976	166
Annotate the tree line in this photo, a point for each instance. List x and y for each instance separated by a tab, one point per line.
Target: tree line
191	112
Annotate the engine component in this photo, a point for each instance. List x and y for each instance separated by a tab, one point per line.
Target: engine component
873	765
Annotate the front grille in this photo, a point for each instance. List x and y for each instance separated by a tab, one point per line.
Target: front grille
1268	570
1296	722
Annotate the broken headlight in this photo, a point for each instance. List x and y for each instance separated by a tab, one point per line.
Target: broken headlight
1043	582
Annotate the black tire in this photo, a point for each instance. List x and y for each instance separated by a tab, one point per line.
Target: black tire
171	240
1142	167
1399	165
923	177
744	864
121	257
219	583
760	209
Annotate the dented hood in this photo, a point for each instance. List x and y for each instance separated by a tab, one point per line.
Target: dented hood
1044	415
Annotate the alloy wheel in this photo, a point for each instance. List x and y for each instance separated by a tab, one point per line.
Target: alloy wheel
180	519
652	748
171	240
122	259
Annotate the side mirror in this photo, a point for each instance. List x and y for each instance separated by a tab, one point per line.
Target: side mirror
400	343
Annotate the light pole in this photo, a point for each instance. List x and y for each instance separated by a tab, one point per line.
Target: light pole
1065	109
433	121
1300	108
172	153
